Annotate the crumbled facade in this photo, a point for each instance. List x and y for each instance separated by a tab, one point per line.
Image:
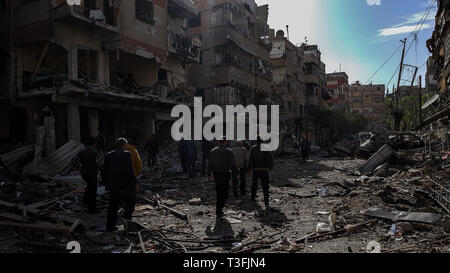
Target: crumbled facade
368	100
235	65
115	66
288	87
439	47
337	84
315	91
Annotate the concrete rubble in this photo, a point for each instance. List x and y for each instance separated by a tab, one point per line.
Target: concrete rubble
318	206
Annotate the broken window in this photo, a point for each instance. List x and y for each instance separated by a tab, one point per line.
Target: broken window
109	10
195	21
218	18
87	64
224	95
144	11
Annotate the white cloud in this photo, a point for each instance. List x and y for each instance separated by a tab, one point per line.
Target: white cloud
373	2
417	18
390	31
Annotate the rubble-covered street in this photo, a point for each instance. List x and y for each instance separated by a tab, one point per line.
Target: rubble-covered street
122	121
323	206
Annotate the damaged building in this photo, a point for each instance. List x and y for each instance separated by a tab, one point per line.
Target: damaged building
235	65
315	91
438	45
288	88
368	100
115	66
337	84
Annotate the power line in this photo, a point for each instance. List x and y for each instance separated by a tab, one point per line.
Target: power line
413	33
381	67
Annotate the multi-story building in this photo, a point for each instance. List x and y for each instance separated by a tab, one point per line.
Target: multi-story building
235	65
337	84
315	91
439	47
368	100
288	82
108	65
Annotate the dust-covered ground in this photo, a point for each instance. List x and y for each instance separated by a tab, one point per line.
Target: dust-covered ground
302	195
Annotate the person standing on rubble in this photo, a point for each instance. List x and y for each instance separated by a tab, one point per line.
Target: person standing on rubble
260	163
135	158
187	151
207	146
240	154
305	146
89	171
152	149
222	165
119	178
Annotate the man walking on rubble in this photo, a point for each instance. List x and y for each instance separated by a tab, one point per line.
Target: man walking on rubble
120	180
260	163
222	165
240	154
89	171
152	149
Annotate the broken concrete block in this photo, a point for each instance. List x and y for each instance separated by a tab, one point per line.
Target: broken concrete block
377	159
195	201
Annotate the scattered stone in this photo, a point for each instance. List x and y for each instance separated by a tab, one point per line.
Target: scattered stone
195	201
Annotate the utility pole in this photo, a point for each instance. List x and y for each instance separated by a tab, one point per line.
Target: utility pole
287	30
398	113
420	101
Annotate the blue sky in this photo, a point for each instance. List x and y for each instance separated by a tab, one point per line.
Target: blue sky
359	35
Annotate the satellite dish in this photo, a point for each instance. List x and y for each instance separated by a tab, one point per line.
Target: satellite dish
430	102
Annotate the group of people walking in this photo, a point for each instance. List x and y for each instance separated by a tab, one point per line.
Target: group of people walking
120	168
234	163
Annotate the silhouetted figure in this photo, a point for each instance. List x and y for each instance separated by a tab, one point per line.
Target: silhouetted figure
187	151
222	165
306	146
89	172
260	163
119	178
152	150
207	146
241	157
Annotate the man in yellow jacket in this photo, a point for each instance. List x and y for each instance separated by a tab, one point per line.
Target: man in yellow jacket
135	159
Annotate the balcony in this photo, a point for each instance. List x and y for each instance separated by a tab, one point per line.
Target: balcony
183	8
187	48
94	18
312	58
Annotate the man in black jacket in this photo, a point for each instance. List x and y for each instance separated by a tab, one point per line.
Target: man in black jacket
118	176
221	163
261	163
89	172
